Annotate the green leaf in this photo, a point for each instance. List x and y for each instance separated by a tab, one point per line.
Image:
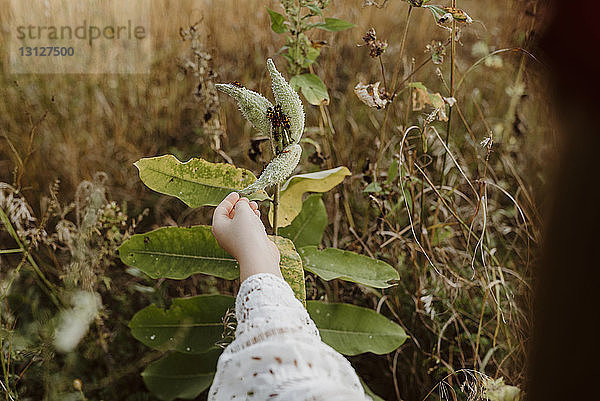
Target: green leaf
291	266
335	25
290	197
315	9
313	89
181	375
196	182
307	228
331	263
373	187
191	325
311	55
177	253
392	172
369	392
277	21
352	330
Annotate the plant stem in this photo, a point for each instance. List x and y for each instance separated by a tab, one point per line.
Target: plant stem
45	284
402	43
393	90
449	126
383	75
275	208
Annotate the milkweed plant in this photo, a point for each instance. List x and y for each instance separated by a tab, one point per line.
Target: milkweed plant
193	331
283	124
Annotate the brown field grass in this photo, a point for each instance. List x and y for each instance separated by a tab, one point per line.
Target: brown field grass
69	127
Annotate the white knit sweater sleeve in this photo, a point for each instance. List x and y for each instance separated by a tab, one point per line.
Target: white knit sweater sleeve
278	354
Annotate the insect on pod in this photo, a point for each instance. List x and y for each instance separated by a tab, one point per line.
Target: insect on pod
280	127
282	123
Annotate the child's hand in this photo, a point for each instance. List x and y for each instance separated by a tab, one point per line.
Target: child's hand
238	230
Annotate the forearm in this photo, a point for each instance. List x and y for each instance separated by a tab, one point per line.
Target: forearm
248	269
261	257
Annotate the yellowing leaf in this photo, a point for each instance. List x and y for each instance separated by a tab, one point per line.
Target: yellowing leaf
291	192
196	182
291	266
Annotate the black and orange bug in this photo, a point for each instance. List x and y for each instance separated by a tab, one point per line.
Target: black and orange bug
270	114
237	84
285	121
280	128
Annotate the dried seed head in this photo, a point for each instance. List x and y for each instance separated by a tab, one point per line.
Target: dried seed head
370	36
437	51
253	105
376	47
277	171
289	101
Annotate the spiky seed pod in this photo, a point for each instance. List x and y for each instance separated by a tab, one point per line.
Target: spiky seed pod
252	105
277	171
290	102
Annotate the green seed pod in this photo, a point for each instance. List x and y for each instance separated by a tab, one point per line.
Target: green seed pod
252	105
289	100
277	171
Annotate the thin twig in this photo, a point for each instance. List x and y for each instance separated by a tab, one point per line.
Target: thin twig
275	208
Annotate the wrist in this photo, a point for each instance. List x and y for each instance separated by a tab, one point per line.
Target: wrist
251	267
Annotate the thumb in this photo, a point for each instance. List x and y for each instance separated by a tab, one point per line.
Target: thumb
223	211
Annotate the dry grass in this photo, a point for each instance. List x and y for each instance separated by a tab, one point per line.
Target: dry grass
464	250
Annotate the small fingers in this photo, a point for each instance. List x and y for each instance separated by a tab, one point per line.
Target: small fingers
226	206
250	210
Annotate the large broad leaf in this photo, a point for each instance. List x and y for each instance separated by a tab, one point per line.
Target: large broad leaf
177	253
196	182
307	228
191	325
181	375
333	263
290	198
291	266
313	89
352	330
